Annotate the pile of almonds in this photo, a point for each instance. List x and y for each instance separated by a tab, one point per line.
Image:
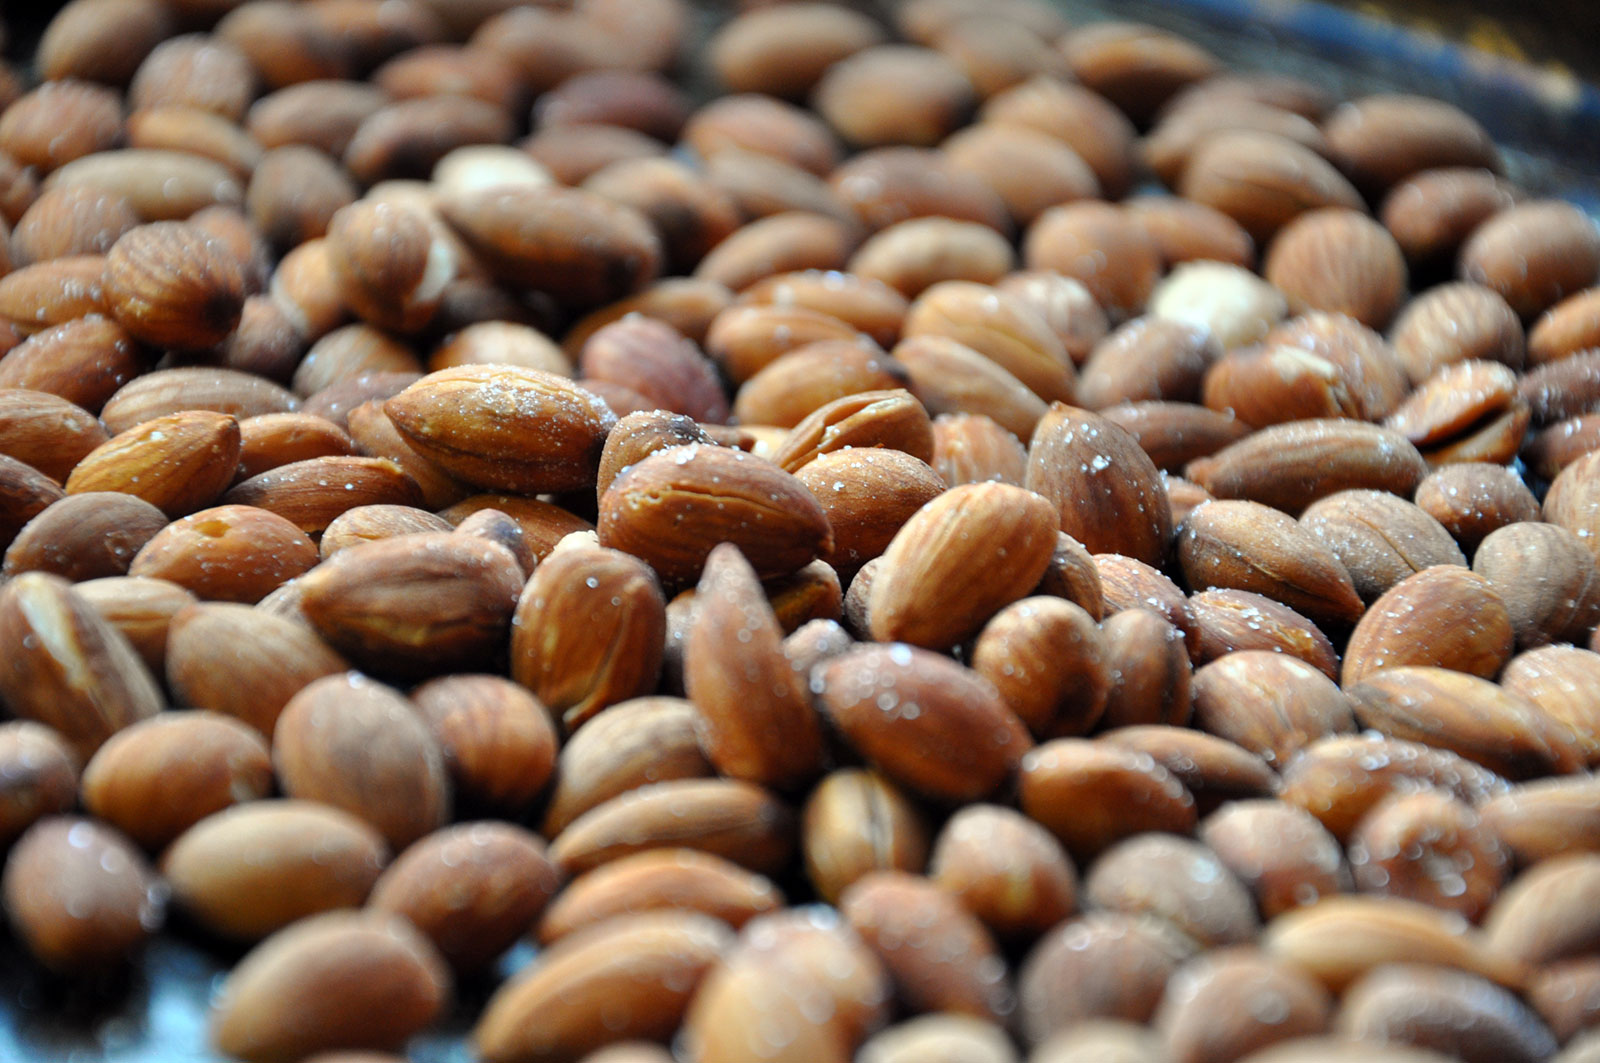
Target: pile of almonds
991	540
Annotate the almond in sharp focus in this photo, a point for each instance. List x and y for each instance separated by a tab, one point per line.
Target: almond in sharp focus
1381	538
1547	579
588	632
1232	621
1561	680
672	507
1339	261
1290	466
505	428
168	284
1047	657
1269	703
935	586
87	536
227	553
1106	489
416	604
756	719
178	463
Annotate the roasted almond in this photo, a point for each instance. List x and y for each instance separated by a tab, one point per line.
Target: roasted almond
1445	616
855	822
1292	465
1092	794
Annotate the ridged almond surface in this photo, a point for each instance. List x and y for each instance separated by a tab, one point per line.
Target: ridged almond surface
1446	616
505	428
178	463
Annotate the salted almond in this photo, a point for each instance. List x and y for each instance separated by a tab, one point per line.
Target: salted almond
1249	546
1214	769
723	817
643	740
1149	669
1102	247
1547	579
504	428
868	495
159	777
1049	661
925	592
1229	621
1274	465
999	326
1178	879
855	822
1126	583
588	632
417	604
227	553
85	536
1092	794
355	744
1445	616
1106	488
84	361
1263	181
1373	375
47	431
1339	261
893	419
1430	847
36	297
736	674
1557	679
950	378
1545	818
924	721
1100	970
1278	383
25	493
168	391
973	448
498	741
1470	716
673	506
270	440
641	970
1339	939
178	463
472	889
1534	254
1269	703
141	609
1474	499
800	382
1005	869
242	661
1360	528
1176	433
75	671
339	980
795	240
312	493
681	879
1206	1016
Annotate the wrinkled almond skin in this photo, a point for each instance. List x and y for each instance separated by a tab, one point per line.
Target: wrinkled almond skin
1292	465
923	721
170	285
1380	538
1446	616
83	537
1232	621
505	428
1547	579
498	740
1048	659
1269	703
588	632
1149	670
158	778
227	553
178	463
249	870
340	980
416	604
672	507
1560	680
1106	488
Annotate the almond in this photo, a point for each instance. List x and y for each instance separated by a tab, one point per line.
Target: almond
498	741
856	822
83	361
36	297
87	536
1107	490
79	895
311	494
141	609
1430	847
1232	621
923	721
1445	616
227	553
1092	794
1104	965
1292	465
1534	254
1547	579
673	506
1263	181
1269	703
159	777
1558	679
588	632
1148	667
339	980
1338	261
1469	716
973	448
1280	851
358	745
1214	769
1176	879
1444	1010
1049	661
41	776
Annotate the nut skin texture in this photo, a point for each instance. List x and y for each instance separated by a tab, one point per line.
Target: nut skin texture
1048	659
170	285
1092	794
672	507
498	740
1005	869
41	776
855	822
227	553
1286	858
83	537
1445	616
178	463
923	721
505	428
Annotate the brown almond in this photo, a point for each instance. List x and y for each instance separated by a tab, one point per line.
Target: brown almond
1473	499
1446	616
1433	212
1565	330
1048	659
82	537
1208	1016
79	895
681	879
1263	181
1547	579
141	609
922	720
1269	703
84	361
1233	621
1429	847
1214	769
1091	794
339	980
1280	851
973	448
1542	819
472	889
734	820
498	741
1380	538
1467	715
227	553
1290	466
1339	261
1443	1011
40	773
159	777
854	822
1534	254
1005	869
1176	879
